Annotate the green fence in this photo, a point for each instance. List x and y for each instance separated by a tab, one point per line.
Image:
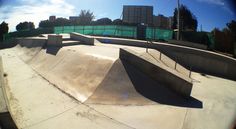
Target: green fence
158	34
205	38
107	30
27	33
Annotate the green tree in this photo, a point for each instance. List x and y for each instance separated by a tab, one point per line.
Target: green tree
232	27
187	19
61	22
223	40
117	22
3	29
85	17
103	21
57	22
46	24
25	26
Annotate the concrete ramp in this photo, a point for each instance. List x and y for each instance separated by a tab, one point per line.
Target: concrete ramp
124	84
177	82
73	72
92	77
115	93
27	48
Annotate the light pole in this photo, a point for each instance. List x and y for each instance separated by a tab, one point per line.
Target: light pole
178	21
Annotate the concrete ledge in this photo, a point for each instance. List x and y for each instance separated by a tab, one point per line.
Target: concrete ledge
167	77
122	41
188	44
54	40
83	38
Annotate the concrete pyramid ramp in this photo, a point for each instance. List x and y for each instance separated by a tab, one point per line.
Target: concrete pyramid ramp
126	85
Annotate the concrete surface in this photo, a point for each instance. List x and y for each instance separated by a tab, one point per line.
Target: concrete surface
45	106
123	96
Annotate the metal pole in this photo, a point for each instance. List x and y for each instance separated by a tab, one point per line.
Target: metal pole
190	72
178	21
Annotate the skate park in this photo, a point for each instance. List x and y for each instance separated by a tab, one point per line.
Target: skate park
80	81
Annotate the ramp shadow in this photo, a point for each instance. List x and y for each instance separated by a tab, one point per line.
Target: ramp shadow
154	91
52	50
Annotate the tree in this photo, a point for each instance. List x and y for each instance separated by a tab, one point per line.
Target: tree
103	21
46	24
232	27
85	17
187	19
3	29
61	22
25	26
223	40
117	22
57	22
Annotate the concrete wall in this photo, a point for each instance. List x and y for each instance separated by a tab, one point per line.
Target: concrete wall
188	44
83	38
121	41
167	77
32	42
195	59
202	61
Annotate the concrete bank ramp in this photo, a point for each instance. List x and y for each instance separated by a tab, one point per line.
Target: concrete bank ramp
27	48
75	73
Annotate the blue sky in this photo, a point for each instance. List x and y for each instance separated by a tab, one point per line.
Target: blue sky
209	13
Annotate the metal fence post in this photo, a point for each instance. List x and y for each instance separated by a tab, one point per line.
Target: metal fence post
190	72
175	63
147	47
160	55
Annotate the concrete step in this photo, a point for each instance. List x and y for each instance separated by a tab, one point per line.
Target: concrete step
66	39
70	42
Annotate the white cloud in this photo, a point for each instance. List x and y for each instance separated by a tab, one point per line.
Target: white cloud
216	2
221	3
35	11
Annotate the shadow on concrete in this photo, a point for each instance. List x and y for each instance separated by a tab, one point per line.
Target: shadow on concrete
6	121
150	89
8	44
52	50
